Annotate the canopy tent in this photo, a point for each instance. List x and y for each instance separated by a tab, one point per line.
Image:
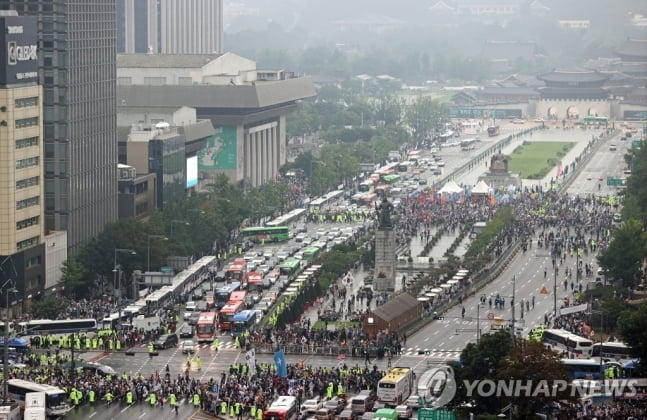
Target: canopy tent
481	188
451	188
431	295
457	277
452	282
423	299
436	290
445	286
463	271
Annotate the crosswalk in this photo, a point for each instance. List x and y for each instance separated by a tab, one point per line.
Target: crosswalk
411	351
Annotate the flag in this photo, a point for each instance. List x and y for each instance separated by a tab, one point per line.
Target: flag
281	366
250	359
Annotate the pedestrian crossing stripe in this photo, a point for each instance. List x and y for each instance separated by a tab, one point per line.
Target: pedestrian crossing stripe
223	346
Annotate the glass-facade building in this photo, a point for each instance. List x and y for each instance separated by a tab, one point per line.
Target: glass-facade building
77	58
167	159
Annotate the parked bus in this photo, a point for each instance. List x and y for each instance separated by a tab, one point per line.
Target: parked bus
238	296
37	327
56	404
583	368
396	386
493	130
206	327
283	408
468	144
226	314
224	293
254	281
615	350
432	383
563	341
311	253
236	271
266	234
288	218
404	166
243	321
365	186
290	268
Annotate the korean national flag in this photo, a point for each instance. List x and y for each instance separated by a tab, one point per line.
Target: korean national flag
281	366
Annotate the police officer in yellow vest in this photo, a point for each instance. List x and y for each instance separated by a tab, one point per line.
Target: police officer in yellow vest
129	397
151	350
92	396
196	400
172	400
152	398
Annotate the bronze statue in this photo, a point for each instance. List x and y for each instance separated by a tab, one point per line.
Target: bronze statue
384	213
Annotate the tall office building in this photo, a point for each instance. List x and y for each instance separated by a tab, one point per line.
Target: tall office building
21	157
169	26
77	58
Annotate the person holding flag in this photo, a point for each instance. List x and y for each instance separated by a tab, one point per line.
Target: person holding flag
281	366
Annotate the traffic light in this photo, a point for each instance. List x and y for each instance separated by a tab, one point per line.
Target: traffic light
438	317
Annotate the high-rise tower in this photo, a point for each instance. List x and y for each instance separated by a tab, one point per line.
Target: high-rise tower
77	59
170	26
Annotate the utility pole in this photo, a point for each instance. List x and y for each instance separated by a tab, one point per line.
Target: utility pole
514	284
555	294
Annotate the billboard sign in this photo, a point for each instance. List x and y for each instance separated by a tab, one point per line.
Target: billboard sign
18	50
220	151
192	171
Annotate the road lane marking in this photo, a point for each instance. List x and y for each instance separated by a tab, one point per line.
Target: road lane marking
142	415
92	414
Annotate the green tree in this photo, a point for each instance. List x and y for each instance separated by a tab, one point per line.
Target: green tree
622	258
632	327
531	360
635	206
73	277
50	307
481	361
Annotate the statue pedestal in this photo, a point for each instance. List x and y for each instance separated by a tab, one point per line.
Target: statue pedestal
384	277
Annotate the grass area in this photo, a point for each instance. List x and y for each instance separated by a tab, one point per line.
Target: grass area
320	325
535	159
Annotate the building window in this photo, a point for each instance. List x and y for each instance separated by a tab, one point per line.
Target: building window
28	243
33	262
26	183
24	224
28	202
25	102
26	163
27	122
155	81
28	142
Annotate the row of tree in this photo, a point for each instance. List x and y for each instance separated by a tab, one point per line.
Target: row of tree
196	226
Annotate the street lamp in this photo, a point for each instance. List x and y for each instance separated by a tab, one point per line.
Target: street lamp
117	283
184	222
601	313
5	365
478	323
148	249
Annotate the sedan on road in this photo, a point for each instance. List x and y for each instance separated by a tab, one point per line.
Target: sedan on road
188	347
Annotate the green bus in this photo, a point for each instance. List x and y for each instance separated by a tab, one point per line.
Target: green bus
291	268
311	253
592	119
266	234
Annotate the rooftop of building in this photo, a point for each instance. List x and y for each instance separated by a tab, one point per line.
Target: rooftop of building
576	75
165	60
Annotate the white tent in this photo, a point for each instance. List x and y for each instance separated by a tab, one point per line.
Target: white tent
481	188
451	188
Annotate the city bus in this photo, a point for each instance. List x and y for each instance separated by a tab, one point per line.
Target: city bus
38	327
582	368
563	341
396	386
283	408
56	404
365	186
206	327
222	294
493	130
236	271
404	166
311	253
238	296
243	321
254	281
287	218
468	144
290	268
226	314
614	350
266	234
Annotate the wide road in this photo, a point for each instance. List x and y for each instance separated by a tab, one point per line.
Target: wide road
524	276
442	339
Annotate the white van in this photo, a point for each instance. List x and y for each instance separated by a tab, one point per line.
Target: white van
431	384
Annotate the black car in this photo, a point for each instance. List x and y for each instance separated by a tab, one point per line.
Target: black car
193	318
186	331
328	316
165	341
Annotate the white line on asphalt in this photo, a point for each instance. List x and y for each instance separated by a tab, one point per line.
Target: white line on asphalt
92	414
143	414
427	339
